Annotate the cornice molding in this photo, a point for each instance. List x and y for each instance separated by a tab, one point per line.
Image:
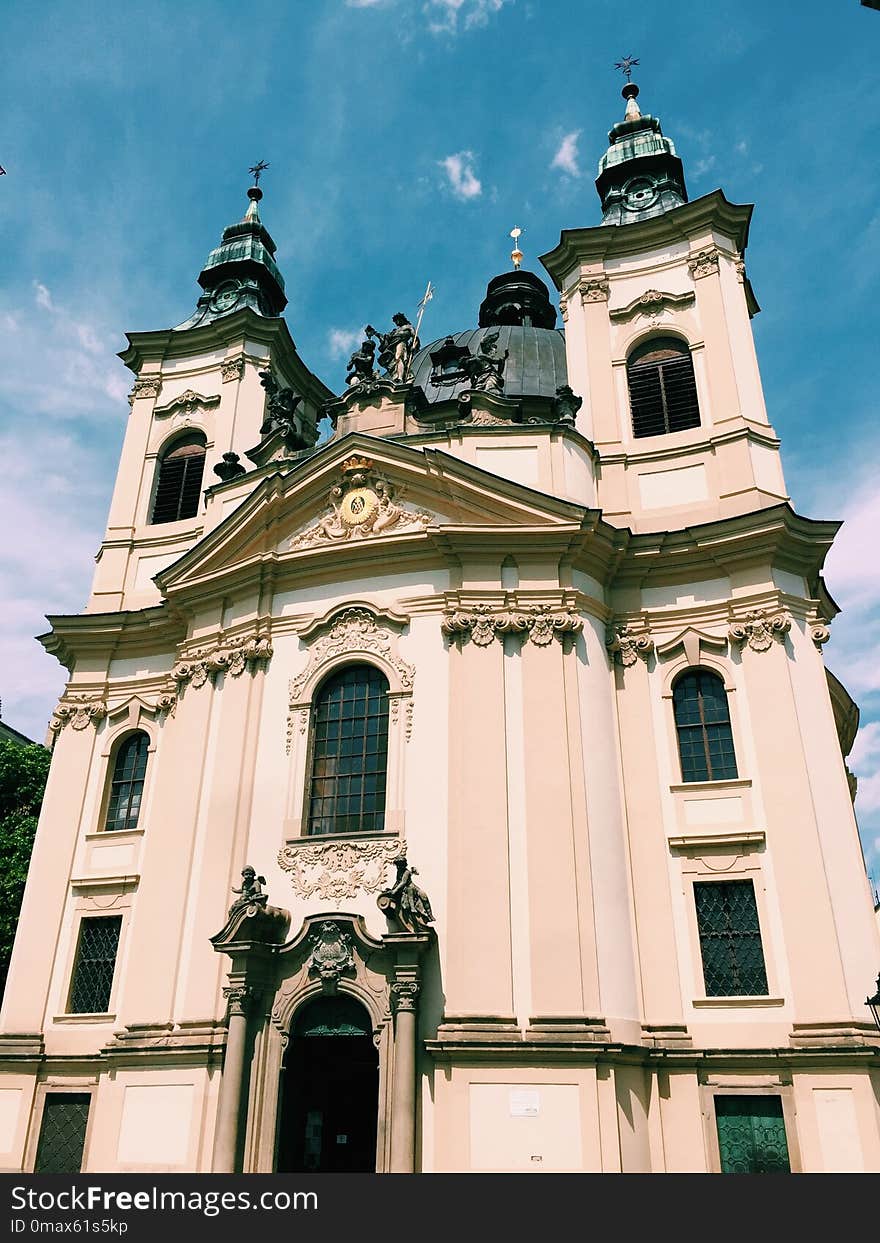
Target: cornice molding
651	303
187	403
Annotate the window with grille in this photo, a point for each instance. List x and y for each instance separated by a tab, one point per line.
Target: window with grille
702	723
349	753
62	1133
179	484
730	939
95	963
662	388
127	783
751	1135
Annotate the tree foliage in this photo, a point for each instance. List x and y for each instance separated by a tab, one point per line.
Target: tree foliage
23	773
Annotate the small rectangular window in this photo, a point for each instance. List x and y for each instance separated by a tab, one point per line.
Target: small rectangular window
95	964
62	1133
751	1135
730	939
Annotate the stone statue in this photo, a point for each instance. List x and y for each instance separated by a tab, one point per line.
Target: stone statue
251	892
485	370
566	404
405	901
396	348
280	407
361	365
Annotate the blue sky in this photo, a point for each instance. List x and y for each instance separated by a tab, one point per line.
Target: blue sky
406	137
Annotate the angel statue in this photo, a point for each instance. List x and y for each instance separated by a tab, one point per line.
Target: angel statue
405	901
251	892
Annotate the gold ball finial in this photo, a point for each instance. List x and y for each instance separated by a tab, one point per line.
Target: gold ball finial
516	254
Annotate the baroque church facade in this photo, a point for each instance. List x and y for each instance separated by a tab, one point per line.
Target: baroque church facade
466	791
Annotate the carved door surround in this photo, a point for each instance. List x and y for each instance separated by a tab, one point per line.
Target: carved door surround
334	954
355	632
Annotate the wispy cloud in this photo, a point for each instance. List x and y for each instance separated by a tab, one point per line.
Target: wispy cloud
446	17
341	341
366	4
566	158
459	169
699	168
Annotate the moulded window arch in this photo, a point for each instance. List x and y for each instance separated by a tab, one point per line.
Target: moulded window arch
662	387
126	788
349	752
179	479
702	725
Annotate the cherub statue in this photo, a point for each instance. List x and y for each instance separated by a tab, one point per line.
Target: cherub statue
280	407
396	348
485	370
361	365
405	900
251	892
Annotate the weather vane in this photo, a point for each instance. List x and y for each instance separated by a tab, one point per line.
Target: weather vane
256	169
516	254
626	66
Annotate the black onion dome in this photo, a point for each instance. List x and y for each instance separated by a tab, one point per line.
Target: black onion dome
535	365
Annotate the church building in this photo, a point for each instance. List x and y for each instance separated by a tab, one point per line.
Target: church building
463	789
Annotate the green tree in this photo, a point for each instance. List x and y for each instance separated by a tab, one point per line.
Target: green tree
23	773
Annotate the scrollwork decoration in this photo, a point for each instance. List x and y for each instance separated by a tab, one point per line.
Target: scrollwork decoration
758	629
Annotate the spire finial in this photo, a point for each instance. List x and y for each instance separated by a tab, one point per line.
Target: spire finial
516	254
630	91
256	169
625	65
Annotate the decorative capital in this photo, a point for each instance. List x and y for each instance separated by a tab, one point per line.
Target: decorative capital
405	995
626	644
594	289
147	387
820	634
239	997
758	629
232	368
230	656
537	622
78	711
704	262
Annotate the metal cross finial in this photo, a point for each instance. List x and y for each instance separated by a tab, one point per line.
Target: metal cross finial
626	66
256	169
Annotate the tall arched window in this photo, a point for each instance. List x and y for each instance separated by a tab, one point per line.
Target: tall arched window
127	783
702	722
349	752
180	480
662	388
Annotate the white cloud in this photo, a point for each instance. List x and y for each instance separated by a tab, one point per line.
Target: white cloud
43	297
703	166
341	341
365	4
448	14
463	180
566	158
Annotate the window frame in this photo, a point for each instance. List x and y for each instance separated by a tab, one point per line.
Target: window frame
58	1087
646	345
353	662
111	755
178	441
723	1085
675	681
728	879
93	1015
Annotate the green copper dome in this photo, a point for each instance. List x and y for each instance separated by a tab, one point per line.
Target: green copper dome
639	175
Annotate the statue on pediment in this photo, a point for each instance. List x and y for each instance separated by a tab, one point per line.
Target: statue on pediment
397	348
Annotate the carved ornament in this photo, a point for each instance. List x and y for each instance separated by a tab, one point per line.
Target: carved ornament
232	368
538	623
652	303
340	869
186	404
626	644
704	262
404	995
362	503
331	955
353	630
147	387
231	656
594	289
758	629
78	711
239	997
819	633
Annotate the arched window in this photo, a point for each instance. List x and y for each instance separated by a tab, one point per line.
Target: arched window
180	481
349	752
662	388
127	783
702	722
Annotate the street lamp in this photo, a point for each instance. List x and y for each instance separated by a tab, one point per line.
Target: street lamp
873	1004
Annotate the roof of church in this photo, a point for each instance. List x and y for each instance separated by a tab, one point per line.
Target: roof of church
534	367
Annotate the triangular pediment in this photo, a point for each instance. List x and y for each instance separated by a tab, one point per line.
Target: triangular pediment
362	491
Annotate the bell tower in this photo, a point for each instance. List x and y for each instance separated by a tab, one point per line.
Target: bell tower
657	308
204	394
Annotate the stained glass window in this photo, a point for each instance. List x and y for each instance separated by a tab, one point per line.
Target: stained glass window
95	963
62	1133
702	722
751	1135
730	939
349	753
127	784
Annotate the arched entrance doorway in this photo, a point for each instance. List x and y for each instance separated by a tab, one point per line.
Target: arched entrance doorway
329	1090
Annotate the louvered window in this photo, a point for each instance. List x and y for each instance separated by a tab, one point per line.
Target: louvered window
180	482
127	784
62	1133
702	722
730	939
350	753
751	1135
662	388
95	964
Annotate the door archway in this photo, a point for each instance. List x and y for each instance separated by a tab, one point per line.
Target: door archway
329	1090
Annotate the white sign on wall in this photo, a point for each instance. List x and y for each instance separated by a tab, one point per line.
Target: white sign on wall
525	1102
